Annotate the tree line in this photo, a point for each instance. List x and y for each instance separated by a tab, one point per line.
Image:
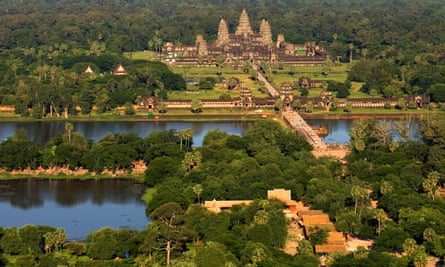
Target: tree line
401	176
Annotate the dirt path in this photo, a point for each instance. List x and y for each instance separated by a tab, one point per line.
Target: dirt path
293	237
295	233
338	153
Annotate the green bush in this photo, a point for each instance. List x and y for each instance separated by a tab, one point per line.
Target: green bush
129	109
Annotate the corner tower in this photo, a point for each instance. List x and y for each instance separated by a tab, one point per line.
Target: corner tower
223	33
265	32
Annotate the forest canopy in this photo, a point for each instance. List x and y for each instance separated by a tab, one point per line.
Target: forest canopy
396	46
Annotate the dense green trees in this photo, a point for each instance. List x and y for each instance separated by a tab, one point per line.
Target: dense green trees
401	177
398	175
393	47
108	243
19	152
61	88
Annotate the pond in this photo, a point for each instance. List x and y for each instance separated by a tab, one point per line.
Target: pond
77	206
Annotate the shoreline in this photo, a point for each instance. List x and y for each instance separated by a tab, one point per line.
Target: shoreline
238	116
63	173
361	116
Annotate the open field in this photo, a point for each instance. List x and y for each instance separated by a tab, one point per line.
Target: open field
142	55
333	72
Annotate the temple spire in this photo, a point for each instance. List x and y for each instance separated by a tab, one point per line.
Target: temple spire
265	32
244	24
223	33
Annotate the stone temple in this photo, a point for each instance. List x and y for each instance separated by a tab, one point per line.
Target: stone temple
244	45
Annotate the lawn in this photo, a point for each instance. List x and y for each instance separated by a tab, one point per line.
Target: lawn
332	72
219	74
141	55
356	93
337	72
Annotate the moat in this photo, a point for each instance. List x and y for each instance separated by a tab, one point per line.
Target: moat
42	132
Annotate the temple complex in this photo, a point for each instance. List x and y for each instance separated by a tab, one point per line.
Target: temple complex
244	45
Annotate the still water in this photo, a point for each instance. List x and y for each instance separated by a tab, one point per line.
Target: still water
338	130
77	206
83	206
42	132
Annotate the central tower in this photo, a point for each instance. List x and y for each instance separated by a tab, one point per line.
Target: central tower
244	25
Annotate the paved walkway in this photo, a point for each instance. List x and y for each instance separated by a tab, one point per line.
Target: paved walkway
297	123
272	91
293	119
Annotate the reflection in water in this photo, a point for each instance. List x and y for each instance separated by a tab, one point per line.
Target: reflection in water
83	206
78	206
42	132
339	129
30	193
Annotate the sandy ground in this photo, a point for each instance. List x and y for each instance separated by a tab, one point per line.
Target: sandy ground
339	153
294	231
353	243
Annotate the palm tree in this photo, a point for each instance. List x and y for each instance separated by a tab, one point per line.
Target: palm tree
359	194
187	162
261	217
420	258
258	255
188	134
69	128
393	146
181	134
197	159
409	246
197	188
359	145
191	160
386	187
351	46
430	183
429	234
380	215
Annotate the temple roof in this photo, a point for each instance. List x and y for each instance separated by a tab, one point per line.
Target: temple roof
89	70
119	70
244	24
223	32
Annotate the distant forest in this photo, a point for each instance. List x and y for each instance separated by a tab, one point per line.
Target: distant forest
398	28
397	47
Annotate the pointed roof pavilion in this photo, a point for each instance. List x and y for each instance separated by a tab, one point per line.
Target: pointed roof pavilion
119	70
89	70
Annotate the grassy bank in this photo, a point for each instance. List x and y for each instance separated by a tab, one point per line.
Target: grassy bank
171	115
222	115
5	175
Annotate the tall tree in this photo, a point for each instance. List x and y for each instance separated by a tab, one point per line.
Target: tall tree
170	219
430	183
69	129
197	189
